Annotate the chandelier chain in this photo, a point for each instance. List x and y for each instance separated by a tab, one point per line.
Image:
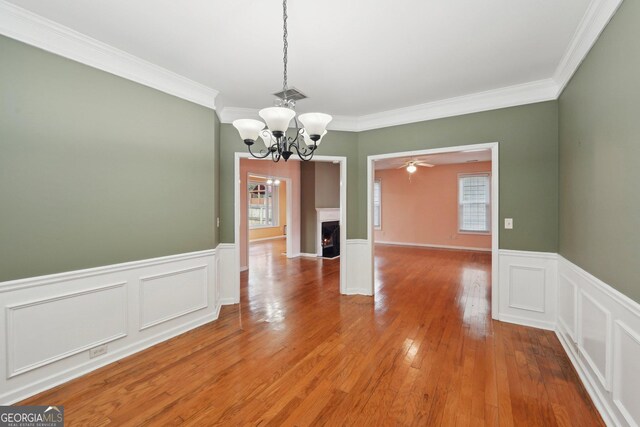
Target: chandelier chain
285	48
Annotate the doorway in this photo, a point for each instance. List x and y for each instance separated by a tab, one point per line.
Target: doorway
434	201
293	233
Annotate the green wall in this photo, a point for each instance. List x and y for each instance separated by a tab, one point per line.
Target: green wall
96	169
599	153
528	137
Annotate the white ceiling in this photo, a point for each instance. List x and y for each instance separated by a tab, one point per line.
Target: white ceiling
350	57
436	159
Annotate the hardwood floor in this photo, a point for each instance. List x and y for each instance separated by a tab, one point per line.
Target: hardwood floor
294	352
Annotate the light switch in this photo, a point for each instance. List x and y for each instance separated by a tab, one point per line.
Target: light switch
508	223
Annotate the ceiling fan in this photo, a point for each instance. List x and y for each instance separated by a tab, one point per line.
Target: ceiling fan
412	165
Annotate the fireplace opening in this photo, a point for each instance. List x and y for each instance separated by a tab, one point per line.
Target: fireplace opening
330	239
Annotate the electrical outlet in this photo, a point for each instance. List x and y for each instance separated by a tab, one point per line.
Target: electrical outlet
98	351
218	222
508	223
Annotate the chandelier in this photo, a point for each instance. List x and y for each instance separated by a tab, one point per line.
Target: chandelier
277	144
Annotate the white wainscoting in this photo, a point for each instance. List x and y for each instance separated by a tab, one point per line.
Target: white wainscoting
527	288
229	285
359	268
51	323
600	330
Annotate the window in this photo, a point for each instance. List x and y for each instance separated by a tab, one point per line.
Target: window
263	205
474	203
377	207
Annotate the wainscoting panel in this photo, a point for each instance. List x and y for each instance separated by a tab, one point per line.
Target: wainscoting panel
627	373
594	337
159	301
90	318
568	305
527	288
605	351
53	325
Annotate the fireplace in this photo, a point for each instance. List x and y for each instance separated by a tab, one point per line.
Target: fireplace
326	216
330	239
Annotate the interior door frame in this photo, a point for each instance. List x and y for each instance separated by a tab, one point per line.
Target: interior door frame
495	214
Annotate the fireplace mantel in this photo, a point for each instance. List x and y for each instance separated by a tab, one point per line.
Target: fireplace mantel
324	215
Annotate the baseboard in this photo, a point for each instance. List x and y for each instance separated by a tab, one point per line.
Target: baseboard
245	268
307	255
596	397
228	301
523	321
432	246
358	291
267	238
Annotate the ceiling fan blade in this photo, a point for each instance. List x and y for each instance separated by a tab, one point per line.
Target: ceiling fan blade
425	165
402	167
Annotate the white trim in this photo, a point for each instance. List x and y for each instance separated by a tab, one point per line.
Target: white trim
28	27
629	304
125	336
14	396
610	388
307	255
141	300
495	203
597	398
510	96
594	21
50	279
268	238
622	328
524	321
429	245
603	377
529	254
10	309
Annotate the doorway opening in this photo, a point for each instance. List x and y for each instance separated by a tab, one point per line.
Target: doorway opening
281	215
437	207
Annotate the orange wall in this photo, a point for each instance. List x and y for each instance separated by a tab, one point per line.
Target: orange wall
425	209
291	170
265	233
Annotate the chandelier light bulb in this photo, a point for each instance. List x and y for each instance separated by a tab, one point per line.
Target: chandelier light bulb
276	182
411	168
269	181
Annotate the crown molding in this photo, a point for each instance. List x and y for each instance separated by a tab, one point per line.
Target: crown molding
35	30
28	27
528	93
594	21
510	96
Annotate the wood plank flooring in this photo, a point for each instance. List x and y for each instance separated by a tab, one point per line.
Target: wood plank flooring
294	352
